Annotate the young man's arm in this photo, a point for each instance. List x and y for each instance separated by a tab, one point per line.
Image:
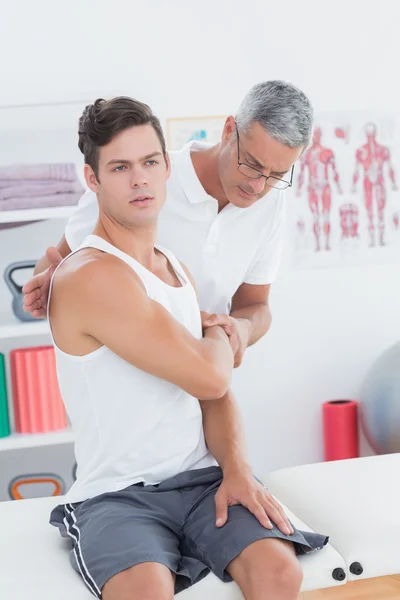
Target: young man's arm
106	301
225	438
224	435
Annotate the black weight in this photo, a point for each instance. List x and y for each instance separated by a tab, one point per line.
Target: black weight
16	289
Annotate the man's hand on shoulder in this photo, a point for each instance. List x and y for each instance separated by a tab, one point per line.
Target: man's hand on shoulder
36	290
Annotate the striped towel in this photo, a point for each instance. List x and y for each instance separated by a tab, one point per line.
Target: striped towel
41	172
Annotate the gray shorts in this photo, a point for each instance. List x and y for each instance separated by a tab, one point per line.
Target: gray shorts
172	523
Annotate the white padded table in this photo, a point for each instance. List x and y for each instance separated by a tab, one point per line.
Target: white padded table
356	502
34	561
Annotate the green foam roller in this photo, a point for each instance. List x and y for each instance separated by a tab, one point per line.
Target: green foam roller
4	416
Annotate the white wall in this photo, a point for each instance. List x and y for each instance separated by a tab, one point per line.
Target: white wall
187	58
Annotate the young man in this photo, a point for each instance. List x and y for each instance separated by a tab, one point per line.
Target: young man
132	364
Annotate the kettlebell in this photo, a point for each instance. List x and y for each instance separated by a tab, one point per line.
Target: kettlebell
16	289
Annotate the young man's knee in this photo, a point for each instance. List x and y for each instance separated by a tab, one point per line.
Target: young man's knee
147	581
268	567
281	567
279	578
288	573
149	591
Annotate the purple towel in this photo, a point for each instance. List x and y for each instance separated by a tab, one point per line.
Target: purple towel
6	183
18	224
23	189
39	201
41	172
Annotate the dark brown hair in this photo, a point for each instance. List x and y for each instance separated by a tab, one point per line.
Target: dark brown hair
104	119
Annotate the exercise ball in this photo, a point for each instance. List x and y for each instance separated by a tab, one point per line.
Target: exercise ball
380	403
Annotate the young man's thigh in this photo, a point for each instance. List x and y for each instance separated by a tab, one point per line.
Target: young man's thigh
217	547
114	533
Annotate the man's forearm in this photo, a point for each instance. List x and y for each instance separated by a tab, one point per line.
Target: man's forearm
224	432
256	319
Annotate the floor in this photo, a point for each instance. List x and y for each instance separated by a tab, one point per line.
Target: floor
381	588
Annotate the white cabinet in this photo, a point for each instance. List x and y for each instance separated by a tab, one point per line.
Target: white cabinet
14	334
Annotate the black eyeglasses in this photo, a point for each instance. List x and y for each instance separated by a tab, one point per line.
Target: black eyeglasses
252	173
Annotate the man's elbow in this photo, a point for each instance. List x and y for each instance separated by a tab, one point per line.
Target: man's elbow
264	325
268	320
215	386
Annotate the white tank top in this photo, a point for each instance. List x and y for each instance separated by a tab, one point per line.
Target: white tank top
131	426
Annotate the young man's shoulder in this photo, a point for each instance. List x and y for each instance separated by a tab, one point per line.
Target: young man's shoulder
81	263
91	271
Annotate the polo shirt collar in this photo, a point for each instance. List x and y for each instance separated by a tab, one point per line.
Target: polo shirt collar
186	173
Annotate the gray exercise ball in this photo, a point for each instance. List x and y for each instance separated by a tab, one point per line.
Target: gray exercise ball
380	403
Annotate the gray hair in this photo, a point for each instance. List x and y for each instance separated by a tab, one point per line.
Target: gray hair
283	110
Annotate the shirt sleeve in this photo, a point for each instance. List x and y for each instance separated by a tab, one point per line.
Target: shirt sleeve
264	268
82	221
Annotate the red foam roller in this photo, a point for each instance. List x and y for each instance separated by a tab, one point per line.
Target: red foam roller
38	405
340	428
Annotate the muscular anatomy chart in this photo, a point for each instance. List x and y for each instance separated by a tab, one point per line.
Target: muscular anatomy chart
320	163
346	205
371	159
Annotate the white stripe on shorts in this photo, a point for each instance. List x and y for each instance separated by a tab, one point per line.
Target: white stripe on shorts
74	532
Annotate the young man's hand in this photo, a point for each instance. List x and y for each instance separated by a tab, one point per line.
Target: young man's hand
240	487
238	331
36	290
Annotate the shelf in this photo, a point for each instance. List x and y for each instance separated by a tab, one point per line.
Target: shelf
36	214
18	441
11	327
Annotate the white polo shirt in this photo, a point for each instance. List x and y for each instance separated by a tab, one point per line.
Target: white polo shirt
221	250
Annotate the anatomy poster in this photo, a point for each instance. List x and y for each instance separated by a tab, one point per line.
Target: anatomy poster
180	131
345	201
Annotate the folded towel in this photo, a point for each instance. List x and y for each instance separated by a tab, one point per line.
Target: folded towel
57	171
18	224
40	201
23	189
6	183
